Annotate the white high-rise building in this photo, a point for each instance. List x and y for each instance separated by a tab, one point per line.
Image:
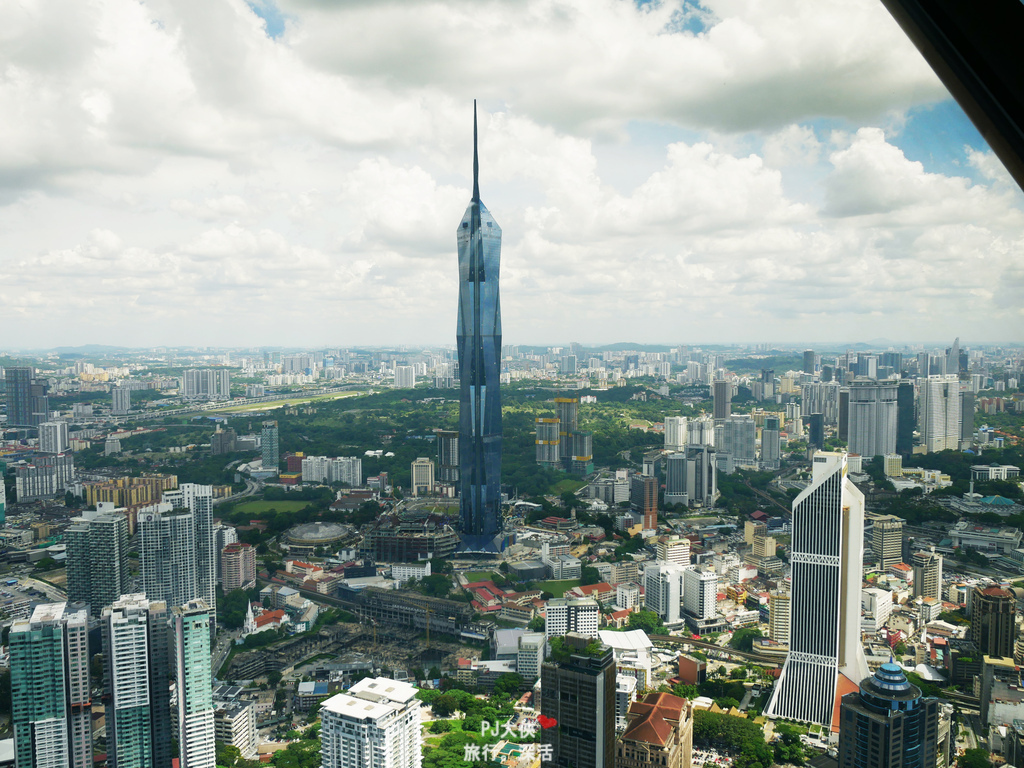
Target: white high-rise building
405	377
675	433
198	499
53	436
582	616
530	655
872	417
121	401
663	590
700	594
193	677
939	413
778	617
344	469
422	476
167	554
673	549
827	550
375	723
209	384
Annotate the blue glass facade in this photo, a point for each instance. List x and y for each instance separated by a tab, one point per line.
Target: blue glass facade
478	340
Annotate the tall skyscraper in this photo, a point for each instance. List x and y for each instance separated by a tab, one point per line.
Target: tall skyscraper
478	340
778	617
269	446
888	723
771	443
578	690
675	433
53	436
51	705
952	366
815	430
905	422
967	415
548	442
872	417
447	456
939	413
843	424
567	409
700	594
376	722
643	498
209	384
581	616
993	610
827	550
198	499
27	401
887	540
739	438
809	357
663	590
121	400
722	394
97	559
927	574
193	678
167	554
137	665
238	566
405	377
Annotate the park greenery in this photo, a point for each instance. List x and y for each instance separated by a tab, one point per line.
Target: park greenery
737	735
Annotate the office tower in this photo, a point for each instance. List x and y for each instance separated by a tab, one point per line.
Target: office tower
905	421
739	438
478	338
888	723
193	678
548	442
701	476
927	574
51	708
206	384
27	401
700	431
952	362
223	441
771	443
53	436
827	550
376	722
722	393
843	422
967	400
778	617
167	554
581	461
659	732
563	615
872	417
121	400
238	566
817	397
530	655
578	691
676	479
47	475
422	476
137	665
815	430
887	540
939	413
198	499
222	536
643	498
405	377
567	410
809	361
675	433
700	594
663	590
827	373
992	620
269	446
447	456
673	549
97	559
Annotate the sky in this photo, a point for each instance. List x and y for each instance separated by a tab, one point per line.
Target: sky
292	172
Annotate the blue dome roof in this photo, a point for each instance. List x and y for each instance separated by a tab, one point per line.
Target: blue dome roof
889	682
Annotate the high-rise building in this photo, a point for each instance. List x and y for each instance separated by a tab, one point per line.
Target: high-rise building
993	611
578	691
722	394
137	666
167	554
53	436
704	489
193	684
659	733
548	441
887	723
51	705
778	617
967	400
843	424
676	479
700	594
269	447
563	615
421	474
238	566
675	433
809	358
927	574
887	540
27	401
376	722
663	590
222	536
198	499
405	377
823	398
643	498
478	341
873	417
673	549
121	401
739	438
447	456
827	550
815	430
939	413
97	559
567	410
771	443
905	421
206	383
581	461
47	475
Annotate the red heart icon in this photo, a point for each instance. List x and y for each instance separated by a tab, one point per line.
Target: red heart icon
547	722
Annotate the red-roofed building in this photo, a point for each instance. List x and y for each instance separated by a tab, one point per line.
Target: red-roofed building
659	732
258	619
557	523
604	593
618	619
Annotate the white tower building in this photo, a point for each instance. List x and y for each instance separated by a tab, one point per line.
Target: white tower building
375	723
675	433
939	413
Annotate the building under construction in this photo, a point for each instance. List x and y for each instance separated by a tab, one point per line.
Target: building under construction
399	608
410	537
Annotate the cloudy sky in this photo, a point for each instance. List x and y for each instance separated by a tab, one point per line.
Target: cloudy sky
292	172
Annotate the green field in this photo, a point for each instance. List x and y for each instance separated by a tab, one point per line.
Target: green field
258	507
285	401
476	576
556	588
567	485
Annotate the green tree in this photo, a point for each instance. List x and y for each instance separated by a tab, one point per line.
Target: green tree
228	755
974	758
648	621
509	684
274	678
743	639
589	575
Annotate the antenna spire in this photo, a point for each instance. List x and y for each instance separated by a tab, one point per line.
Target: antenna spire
476	161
